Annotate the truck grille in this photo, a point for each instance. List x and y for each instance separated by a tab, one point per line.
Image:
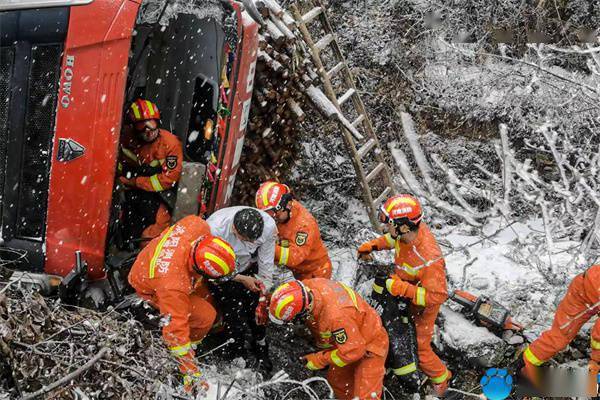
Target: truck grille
6	67
37	139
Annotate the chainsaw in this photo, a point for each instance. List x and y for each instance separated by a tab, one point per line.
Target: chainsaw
486	312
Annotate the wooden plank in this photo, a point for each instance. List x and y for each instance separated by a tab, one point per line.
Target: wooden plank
366	147
382	196
312	14
324	42
349	93
373	174
335	70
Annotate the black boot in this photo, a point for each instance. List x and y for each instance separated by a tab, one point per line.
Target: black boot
260	349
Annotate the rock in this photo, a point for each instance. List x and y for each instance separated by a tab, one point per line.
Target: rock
480	283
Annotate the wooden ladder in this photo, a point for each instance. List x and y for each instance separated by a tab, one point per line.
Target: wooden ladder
366	154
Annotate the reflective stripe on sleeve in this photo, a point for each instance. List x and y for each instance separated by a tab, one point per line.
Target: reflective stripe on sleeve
182	350
389	239
325	335
156	183
420	296
284	256
336	359
441	378
595	344
310	365
532	357
389	283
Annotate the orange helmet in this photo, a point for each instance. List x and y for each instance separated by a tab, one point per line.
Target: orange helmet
272	196
403	210
288	302
213	258
142	110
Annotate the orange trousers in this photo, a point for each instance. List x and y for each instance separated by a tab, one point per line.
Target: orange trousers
323	272
570	316
429	362
361	380
202	313
162	222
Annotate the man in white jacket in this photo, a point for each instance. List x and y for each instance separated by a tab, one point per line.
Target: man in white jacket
252	234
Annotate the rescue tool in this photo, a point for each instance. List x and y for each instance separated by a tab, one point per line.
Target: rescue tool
486	312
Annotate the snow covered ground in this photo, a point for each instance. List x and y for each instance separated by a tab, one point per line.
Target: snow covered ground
495	267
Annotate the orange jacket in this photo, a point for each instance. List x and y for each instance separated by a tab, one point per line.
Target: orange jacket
162	274
591	285
300	246
353	326
421	263
165	151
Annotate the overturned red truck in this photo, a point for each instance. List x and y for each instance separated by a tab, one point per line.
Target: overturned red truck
68	71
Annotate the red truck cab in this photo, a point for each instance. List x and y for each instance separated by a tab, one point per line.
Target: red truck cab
68	71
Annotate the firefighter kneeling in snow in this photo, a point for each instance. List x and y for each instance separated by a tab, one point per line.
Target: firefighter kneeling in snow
149	166
299	247
360	343
420	276
171	273
581	303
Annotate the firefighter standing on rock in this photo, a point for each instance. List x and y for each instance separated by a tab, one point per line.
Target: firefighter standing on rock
150	166
171	273
356	360
420	276
299	247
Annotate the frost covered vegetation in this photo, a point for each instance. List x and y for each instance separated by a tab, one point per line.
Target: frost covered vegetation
501	129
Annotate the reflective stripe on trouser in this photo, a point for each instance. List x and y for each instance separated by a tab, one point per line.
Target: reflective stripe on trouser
362	380
531	358
595	341
181	350
429	362
565	325
201	318
407	369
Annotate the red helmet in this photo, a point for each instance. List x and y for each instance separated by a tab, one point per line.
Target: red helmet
403	210
272	196
142	110
212	257
288	301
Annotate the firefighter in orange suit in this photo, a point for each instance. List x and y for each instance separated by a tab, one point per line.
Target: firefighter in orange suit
581	303
299	247
171	273
360	343
420	276
150	166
